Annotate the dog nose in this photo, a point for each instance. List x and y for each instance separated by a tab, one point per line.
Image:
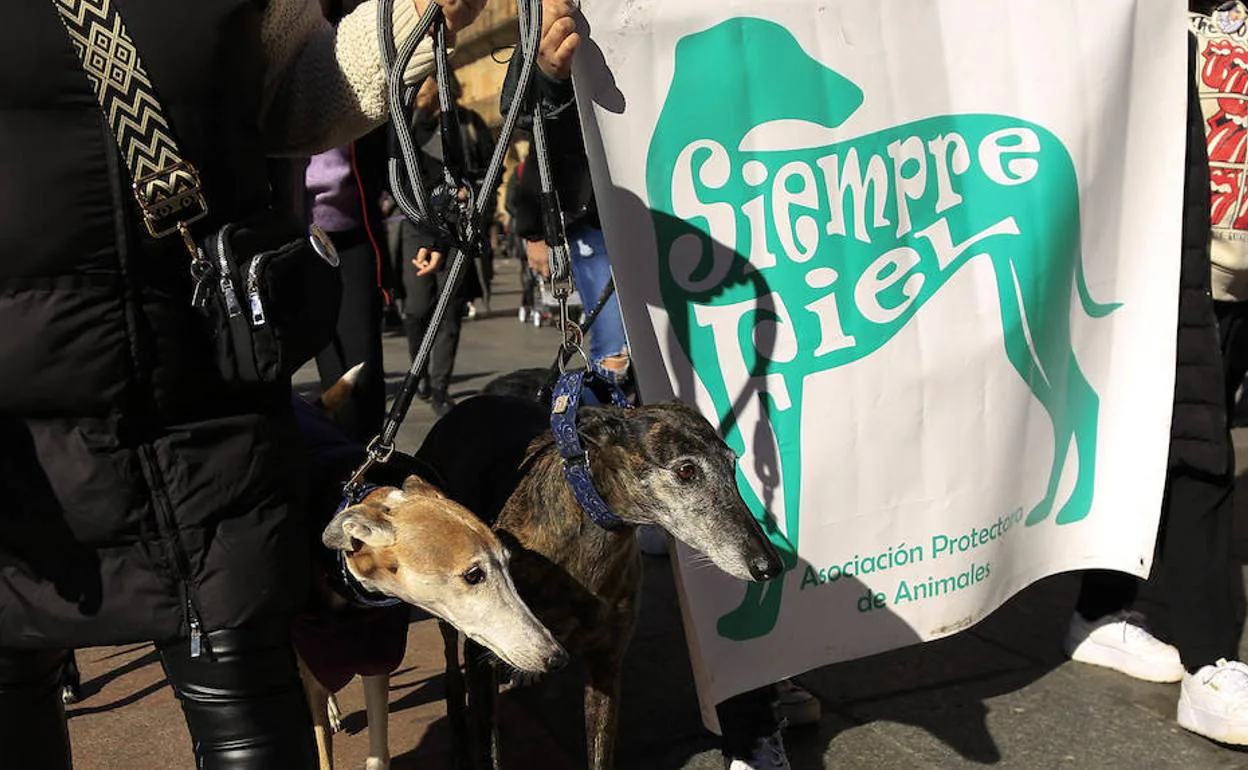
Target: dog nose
557	659
765	567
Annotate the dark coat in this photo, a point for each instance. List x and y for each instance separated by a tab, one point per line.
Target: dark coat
569	166
1200	434
139	493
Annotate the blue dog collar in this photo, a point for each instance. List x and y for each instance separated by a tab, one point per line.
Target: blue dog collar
349	587
565	401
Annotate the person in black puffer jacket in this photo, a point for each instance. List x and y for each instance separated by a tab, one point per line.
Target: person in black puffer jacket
1194	568
144	501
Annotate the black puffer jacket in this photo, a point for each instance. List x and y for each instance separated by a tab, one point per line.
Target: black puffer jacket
1200	438
138	494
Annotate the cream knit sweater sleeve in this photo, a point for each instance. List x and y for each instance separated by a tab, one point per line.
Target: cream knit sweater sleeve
323	85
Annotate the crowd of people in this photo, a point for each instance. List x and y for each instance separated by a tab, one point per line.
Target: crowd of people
149	502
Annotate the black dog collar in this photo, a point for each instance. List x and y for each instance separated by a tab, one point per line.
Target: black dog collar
348	586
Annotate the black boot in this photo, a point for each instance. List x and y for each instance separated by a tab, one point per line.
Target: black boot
243	699
441	402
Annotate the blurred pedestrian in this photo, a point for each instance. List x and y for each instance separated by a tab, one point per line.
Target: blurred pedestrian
424	255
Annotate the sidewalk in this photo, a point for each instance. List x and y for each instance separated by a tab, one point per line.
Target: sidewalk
999	694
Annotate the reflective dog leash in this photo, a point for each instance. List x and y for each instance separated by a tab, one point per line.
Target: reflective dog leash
455	212
455	218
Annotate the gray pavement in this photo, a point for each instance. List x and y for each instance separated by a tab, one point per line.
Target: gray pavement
1000	694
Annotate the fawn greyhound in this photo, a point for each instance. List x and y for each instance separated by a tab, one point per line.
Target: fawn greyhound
661	464
410	542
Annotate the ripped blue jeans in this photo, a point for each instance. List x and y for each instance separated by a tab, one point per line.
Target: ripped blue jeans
591	270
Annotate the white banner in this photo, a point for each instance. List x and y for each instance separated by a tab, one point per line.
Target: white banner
919	260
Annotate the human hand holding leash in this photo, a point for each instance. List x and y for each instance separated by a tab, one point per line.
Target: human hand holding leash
559	39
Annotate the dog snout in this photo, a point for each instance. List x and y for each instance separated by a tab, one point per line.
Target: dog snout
764	566
763	559
557	659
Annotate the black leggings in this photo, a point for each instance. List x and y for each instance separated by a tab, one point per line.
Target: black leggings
747	719
243	701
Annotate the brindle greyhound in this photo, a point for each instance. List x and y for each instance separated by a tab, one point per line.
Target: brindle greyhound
661	464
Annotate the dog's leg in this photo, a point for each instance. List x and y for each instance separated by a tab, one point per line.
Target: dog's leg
483	695
318	700
377	707
71	681
334	712
456	706
602	707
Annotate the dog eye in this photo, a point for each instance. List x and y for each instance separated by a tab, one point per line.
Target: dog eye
686	471
474	575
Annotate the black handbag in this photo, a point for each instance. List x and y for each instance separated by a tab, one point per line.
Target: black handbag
268	289
270	297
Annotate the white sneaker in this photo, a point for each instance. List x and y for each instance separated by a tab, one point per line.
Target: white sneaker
798	706
1121	641
768	754
1213	702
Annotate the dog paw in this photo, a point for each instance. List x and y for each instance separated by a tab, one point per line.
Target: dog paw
70	694
377	763
335	715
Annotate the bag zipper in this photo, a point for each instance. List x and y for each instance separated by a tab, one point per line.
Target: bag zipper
181	565
227	284
253	290
193	622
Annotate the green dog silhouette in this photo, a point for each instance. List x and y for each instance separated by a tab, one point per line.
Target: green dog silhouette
785	251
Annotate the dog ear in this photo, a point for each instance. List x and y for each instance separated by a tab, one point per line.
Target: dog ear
365	523
415	485
601	425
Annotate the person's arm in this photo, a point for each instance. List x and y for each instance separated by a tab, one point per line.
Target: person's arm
324	85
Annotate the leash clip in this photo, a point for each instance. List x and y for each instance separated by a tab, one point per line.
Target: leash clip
378	453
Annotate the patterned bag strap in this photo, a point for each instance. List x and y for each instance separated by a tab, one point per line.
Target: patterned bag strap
165	186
